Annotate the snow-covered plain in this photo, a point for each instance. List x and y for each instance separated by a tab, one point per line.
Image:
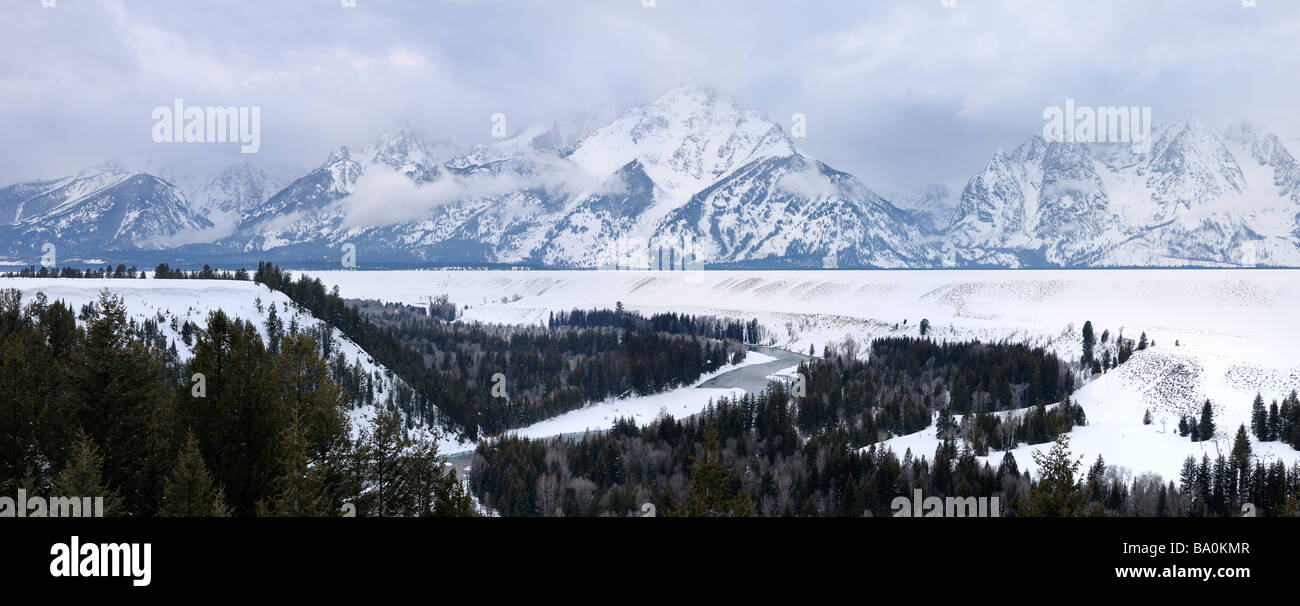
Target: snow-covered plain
1219	334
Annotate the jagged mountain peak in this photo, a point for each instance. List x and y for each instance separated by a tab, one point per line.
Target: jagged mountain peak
686	97
1182	131
240	188
1031	150
1191	165
1000	158
107	167
689	137
336	155
406	149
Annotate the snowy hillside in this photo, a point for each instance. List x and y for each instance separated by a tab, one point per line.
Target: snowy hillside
166	301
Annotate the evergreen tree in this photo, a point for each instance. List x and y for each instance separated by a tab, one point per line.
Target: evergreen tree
384	465
1089	341
1125	350
82	476
240	421
946	425
435	490
711	492
1096	476
1259	419
453	499
121	400
1241	449
27	402
301	485
1057	493
1206	426
274	331
1187	478
305	387
189	492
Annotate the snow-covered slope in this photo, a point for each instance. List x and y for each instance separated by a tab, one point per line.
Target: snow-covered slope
1168	383
165	301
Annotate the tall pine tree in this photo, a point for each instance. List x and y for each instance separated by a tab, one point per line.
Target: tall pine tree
190	492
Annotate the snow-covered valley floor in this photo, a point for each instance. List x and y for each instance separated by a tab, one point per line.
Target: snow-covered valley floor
1219	334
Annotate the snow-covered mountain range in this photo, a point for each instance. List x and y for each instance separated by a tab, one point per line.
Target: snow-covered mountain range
106	207
1198	197
690	180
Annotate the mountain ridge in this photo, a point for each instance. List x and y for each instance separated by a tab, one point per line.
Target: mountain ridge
689	180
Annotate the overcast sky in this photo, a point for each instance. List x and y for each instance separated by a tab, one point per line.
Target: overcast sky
902	93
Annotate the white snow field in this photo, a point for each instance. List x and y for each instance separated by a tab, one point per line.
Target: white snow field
1218	334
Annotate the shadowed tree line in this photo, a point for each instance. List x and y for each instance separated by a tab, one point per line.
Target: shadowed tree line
97	408
746	457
